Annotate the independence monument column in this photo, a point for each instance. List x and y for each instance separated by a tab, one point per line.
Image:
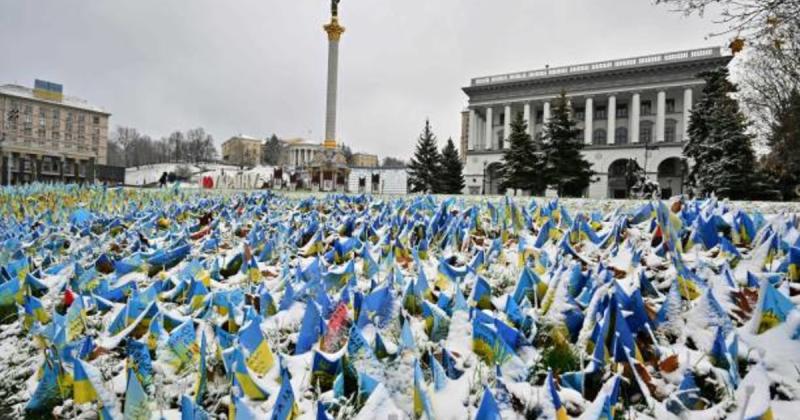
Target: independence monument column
335	32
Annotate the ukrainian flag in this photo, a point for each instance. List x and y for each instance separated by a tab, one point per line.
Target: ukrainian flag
775	307
260	358
488	409
285	407
422	404
201	386
560	411
136	405
88	387
182	342
482	294
34	311
51	390
243	379
794	264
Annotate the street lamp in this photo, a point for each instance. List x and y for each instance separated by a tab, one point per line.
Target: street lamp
483	180
647	149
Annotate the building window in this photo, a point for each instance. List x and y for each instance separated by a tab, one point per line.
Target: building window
670	106
96	120
670	128
56	123
28	110
621	135
599	137
28	122
55	135
41	134
580	113
647	108
622	111
646	132
539	117
600	113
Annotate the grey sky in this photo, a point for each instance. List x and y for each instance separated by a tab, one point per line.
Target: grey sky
258	66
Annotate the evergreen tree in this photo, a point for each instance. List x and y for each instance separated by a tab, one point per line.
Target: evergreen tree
523	166
425	166
783	161
272	151
720	148
452	177
566	169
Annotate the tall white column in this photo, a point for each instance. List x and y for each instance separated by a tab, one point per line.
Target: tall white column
473	126
546	112
489	126
506	127
335	32
661	107
636	111
526	115
687	113
480	132
588	121
611	118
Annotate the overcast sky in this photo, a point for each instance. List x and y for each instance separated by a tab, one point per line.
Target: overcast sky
258	66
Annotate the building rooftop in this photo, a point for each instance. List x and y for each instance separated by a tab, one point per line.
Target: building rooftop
298	141
632	62
70	101
243	137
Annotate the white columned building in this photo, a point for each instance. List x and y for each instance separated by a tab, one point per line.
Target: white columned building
588	120
526	115
611	118
636	106
631	108
506	126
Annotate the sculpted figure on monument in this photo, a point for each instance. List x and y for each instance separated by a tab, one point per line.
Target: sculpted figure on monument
335	8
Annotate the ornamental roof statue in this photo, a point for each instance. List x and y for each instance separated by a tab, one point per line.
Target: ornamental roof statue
335	8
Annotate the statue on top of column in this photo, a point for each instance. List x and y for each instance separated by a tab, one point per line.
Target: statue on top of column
335	8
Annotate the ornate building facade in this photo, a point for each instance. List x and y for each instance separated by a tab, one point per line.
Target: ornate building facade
633	108
48	136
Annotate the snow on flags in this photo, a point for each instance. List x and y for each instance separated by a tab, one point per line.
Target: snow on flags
136	404
182	343
342	283
285	406
88	387
259	355
773	308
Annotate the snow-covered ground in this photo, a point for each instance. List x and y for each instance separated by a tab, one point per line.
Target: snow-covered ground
364	307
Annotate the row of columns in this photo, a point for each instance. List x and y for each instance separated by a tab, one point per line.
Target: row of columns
302	156
476	125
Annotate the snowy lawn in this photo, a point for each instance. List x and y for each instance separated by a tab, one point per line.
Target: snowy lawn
179	302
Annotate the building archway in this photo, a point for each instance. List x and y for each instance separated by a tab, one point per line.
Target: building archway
620	174
494	178
671	175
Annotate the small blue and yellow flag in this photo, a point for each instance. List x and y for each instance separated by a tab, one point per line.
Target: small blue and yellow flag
136	404
259	355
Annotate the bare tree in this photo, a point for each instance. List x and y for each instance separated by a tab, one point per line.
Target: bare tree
759	21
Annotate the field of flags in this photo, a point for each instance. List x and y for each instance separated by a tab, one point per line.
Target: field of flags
137	304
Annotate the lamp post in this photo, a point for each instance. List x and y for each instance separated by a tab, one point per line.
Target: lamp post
483	180
647	149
